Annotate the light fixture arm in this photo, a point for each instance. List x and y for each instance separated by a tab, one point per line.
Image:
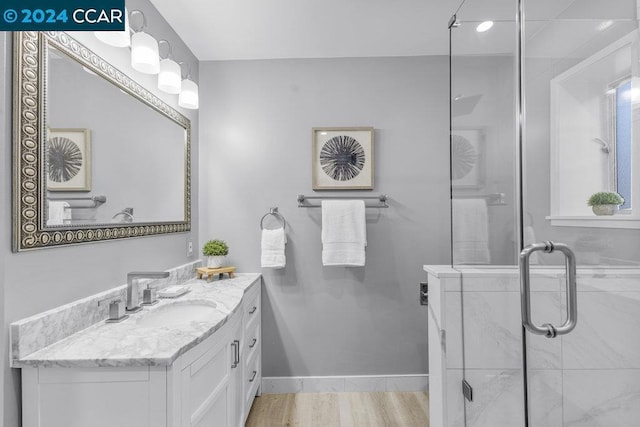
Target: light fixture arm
144	21
188	75
160	44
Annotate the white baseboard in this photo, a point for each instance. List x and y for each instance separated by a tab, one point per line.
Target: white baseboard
278	385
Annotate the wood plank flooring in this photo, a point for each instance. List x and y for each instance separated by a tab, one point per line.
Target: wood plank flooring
380	409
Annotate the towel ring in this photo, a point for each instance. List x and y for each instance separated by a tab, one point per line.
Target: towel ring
273	212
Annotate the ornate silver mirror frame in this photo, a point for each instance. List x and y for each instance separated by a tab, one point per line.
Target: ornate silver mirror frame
29	187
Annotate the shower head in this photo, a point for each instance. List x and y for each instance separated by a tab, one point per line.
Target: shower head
605	146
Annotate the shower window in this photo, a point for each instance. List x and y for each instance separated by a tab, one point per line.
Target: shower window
622	138
591	138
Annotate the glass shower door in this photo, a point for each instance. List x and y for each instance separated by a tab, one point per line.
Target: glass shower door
483	336
581	99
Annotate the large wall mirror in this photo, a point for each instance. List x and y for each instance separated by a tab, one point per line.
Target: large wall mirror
96	156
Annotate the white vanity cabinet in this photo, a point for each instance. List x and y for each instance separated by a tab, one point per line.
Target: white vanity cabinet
251	350
211	385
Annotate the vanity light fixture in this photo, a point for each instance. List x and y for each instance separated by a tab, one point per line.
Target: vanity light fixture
116	38
484	26
170	76
144	50
188	97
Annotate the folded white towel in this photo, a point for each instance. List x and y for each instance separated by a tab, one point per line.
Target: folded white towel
470	232
273	242
57	212
344	233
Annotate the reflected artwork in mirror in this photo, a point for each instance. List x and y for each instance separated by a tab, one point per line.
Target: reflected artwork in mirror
96	155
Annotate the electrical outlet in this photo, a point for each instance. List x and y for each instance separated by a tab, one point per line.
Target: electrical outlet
189	248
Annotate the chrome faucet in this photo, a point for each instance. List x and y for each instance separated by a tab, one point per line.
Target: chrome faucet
133	299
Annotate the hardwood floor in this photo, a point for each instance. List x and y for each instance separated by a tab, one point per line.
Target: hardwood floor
401	409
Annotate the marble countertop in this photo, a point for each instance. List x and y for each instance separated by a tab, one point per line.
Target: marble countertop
129	344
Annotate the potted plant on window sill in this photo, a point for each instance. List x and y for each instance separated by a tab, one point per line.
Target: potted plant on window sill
216	252
605	202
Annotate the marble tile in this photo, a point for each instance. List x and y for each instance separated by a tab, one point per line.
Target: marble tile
281	385
436	297
322	384
509	283
543	352
597	398
365	384
497	399
492	331
454	410
606	333
407	383
545	398
437	399
608	283
453	330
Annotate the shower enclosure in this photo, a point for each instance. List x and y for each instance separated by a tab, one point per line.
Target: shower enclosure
537	322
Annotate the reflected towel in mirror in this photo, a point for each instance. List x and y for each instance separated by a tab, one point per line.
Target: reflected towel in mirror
470	232
58	212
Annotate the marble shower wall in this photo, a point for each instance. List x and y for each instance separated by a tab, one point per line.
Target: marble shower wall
588	378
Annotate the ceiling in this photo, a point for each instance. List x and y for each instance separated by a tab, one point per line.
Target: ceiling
252	29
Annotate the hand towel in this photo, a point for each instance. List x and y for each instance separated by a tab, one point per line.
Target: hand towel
344	233
273	242
58	212
470	232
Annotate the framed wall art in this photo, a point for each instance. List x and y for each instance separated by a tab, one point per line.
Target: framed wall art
467	158
342	158
68	160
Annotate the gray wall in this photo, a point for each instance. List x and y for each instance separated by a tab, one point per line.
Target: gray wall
256	120
40	280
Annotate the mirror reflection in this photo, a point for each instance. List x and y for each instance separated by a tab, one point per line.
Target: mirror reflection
103	161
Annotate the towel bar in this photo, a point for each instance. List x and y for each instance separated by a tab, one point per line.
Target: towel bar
382	198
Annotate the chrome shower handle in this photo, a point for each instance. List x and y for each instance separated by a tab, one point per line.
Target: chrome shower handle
548	329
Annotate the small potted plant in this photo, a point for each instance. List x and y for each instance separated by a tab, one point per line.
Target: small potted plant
216	252
605	202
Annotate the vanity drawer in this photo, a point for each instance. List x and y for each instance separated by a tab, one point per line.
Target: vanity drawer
252	342
252	308
253	378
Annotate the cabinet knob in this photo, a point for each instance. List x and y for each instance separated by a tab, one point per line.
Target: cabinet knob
253	343
253	377
253	310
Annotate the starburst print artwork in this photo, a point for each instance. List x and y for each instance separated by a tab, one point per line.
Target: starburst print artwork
342	158
65	159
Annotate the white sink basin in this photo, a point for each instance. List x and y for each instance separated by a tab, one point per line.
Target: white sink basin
178	313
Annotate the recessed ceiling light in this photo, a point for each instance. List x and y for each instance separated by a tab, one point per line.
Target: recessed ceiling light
484	26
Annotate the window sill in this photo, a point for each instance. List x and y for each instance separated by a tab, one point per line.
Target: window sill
608	221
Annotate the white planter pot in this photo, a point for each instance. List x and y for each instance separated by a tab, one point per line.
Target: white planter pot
216	261
604	209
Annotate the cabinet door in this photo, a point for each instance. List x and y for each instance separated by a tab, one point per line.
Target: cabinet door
100	397
205	389
236	406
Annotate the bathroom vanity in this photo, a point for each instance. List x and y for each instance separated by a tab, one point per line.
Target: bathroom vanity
158	368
